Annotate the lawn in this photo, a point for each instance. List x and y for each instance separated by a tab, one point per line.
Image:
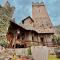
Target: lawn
53	57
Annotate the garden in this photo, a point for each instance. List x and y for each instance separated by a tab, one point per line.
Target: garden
53	57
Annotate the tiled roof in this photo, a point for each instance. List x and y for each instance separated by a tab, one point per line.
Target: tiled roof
38	30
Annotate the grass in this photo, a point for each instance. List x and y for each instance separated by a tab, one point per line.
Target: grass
53	57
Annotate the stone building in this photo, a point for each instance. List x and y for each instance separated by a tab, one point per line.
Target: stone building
37	29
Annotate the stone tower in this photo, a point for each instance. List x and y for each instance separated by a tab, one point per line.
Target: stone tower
6	13
41	19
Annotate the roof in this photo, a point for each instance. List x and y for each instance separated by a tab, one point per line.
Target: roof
40	25
30	28
27	18
37	30
37	3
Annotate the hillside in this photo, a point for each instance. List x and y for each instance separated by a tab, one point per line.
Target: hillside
57	26
57	29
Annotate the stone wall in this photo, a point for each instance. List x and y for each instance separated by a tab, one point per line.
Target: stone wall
24	51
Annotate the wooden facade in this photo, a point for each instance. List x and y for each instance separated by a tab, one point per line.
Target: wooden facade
27	37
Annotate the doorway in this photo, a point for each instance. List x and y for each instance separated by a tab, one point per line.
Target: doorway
42	41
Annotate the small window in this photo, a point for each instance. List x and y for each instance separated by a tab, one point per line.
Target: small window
23	22
50	27
47	24
22	35
30	22
43	25
32	38
18	37
42	41
39	10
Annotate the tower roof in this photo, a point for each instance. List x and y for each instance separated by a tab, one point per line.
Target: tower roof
6	4
7	9
37	3
42	22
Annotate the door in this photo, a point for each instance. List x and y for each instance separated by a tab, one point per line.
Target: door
42	41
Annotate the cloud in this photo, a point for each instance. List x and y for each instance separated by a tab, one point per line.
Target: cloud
53	7
53	10
24	9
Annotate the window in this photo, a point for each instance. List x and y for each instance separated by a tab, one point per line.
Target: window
50	27
32	37
22	34
36	21
42	41
39	10
47	24
18	37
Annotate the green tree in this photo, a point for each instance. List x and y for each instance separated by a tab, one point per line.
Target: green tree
54	40
58	40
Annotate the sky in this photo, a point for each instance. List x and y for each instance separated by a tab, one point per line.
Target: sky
23	8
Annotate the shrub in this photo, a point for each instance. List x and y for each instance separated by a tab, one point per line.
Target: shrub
58	40
54	40
57	51
3	43
29	51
